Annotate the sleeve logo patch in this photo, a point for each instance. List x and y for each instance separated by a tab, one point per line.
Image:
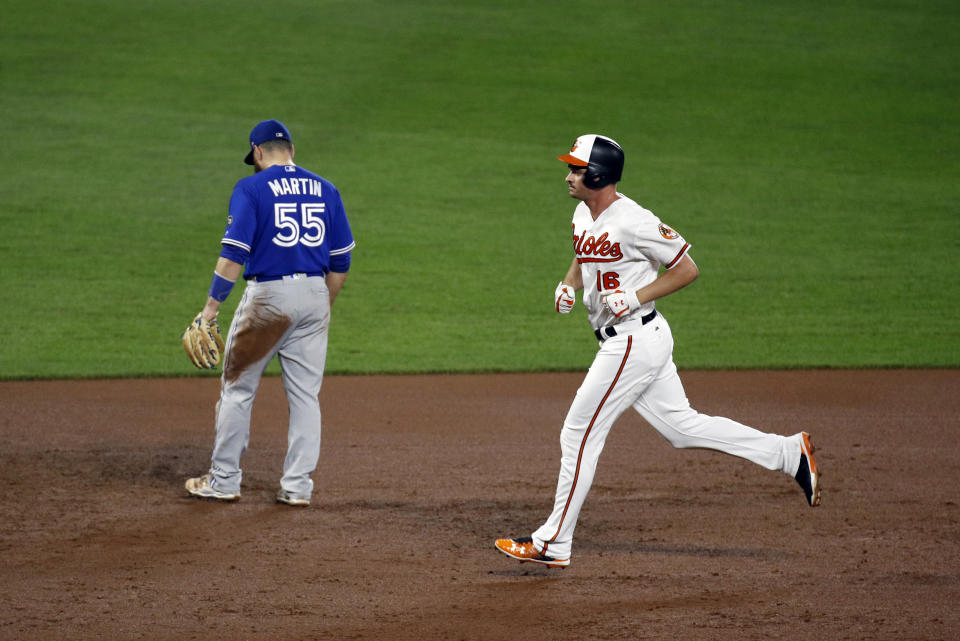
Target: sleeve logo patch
668	233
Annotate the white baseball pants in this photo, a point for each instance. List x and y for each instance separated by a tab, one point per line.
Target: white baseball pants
636	369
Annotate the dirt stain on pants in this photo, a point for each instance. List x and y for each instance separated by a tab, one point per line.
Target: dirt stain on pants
258	333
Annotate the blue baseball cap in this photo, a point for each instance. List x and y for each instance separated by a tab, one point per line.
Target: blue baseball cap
264	131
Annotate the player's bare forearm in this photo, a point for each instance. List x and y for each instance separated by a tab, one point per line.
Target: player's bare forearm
227	269
681	275
335	283
574	278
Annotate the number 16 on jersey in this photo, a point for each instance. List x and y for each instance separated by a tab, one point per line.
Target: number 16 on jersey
607	281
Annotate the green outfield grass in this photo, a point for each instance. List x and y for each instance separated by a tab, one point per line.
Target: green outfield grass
808	151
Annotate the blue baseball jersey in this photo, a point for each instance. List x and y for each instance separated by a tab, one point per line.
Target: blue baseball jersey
285	220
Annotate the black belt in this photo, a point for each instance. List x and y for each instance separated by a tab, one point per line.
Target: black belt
266	279
603	333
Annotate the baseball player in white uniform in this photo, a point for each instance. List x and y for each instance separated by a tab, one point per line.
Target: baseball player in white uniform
620	249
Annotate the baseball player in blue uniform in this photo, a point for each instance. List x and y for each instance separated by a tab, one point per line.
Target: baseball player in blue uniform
287	233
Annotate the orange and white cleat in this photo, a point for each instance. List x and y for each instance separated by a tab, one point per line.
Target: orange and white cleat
808	475
525	551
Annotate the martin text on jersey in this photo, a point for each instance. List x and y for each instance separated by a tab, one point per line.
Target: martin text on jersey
295	187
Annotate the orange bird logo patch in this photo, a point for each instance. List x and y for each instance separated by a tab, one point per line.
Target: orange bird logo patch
668	233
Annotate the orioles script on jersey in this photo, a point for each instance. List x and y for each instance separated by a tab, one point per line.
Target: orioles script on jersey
596	250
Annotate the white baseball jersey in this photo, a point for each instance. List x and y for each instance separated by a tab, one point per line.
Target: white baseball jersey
623	248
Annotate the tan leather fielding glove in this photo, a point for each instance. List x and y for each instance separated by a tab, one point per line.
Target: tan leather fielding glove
203	343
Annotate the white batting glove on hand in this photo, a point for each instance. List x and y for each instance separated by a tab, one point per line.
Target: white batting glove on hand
564	298
620	302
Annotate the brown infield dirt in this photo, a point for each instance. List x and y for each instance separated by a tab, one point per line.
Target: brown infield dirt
419	474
